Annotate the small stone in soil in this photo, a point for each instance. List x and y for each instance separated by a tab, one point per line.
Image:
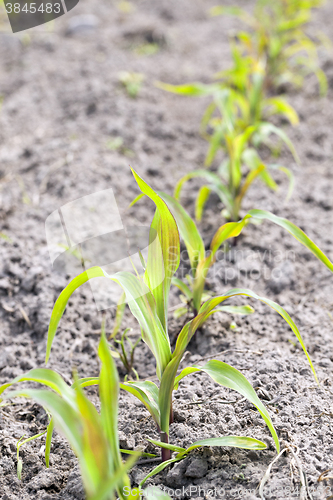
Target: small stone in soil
197	468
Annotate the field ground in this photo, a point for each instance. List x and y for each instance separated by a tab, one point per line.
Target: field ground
62	107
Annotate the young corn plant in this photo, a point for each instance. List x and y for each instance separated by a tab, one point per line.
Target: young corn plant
236	122
240	101
93	436
236	174
277	35
193	292
147	297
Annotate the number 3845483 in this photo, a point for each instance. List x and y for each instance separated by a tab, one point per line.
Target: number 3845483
32	8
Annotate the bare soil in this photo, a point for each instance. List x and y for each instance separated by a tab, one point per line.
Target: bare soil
62	104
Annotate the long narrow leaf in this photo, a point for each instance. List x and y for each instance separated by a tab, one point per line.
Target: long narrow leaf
141	302
144	396
215	184
165	266
231	441
202	198
188	230
226	375
205	311
294	231
108	391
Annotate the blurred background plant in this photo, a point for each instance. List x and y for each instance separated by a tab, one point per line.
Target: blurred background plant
132	82
277	36
245	100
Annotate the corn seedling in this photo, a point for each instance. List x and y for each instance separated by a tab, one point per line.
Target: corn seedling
238	118
92	436
21	443
117	144
234	177
132	82
277	36
193	292
148	297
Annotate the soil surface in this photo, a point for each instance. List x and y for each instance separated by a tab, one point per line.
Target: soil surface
63	112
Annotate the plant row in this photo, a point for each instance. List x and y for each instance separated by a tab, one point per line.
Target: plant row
274	52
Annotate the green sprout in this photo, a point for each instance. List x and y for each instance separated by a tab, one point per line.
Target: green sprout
277	35
193	292
21	442
93	436
131	81
236	122
117	144
148	298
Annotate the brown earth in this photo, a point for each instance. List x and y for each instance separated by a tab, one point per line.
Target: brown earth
62	104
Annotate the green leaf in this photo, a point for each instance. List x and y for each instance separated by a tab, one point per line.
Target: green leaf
108	392
206	310
227	231
182	287
232	441
158	469
48	442
64	415
161	267
267	129
202	198
215	185
187	229
167	446
143	307
189	89
226	375
251	176
116	482
21	443
236	146
149	304
294	231
119	315
140	301
278	105
62	301
252	159
46	377
138	198
96	461
85	382
146	394
291	178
